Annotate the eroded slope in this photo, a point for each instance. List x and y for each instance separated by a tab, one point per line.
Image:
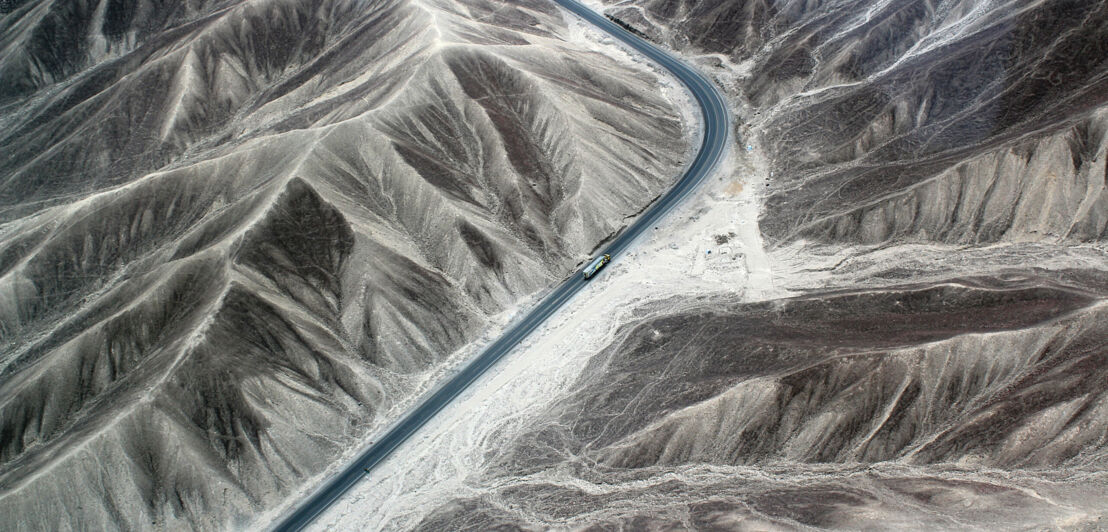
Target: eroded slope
838	410
235	234
945	121
920	341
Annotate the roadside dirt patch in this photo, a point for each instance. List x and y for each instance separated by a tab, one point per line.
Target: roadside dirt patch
734	189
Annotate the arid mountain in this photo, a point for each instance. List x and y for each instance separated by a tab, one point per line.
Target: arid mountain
235	234
931	354
931	407
940	121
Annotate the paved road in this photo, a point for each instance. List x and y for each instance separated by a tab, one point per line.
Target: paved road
715	125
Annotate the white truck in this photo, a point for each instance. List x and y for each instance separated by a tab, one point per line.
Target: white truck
596	264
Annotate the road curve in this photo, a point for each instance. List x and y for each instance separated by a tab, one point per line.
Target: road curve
713	142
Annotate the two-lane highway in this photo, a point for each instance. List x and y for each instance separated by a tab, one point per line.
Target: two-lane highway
714	140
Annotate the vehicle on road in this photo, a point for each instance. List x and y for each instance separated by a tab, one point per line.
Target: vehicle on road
596	264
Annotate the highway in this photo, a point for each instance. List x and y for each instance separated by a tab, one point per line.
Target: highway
714	126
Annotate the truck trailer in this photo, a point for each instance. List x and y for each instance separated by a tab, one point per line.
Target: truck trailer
596	264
